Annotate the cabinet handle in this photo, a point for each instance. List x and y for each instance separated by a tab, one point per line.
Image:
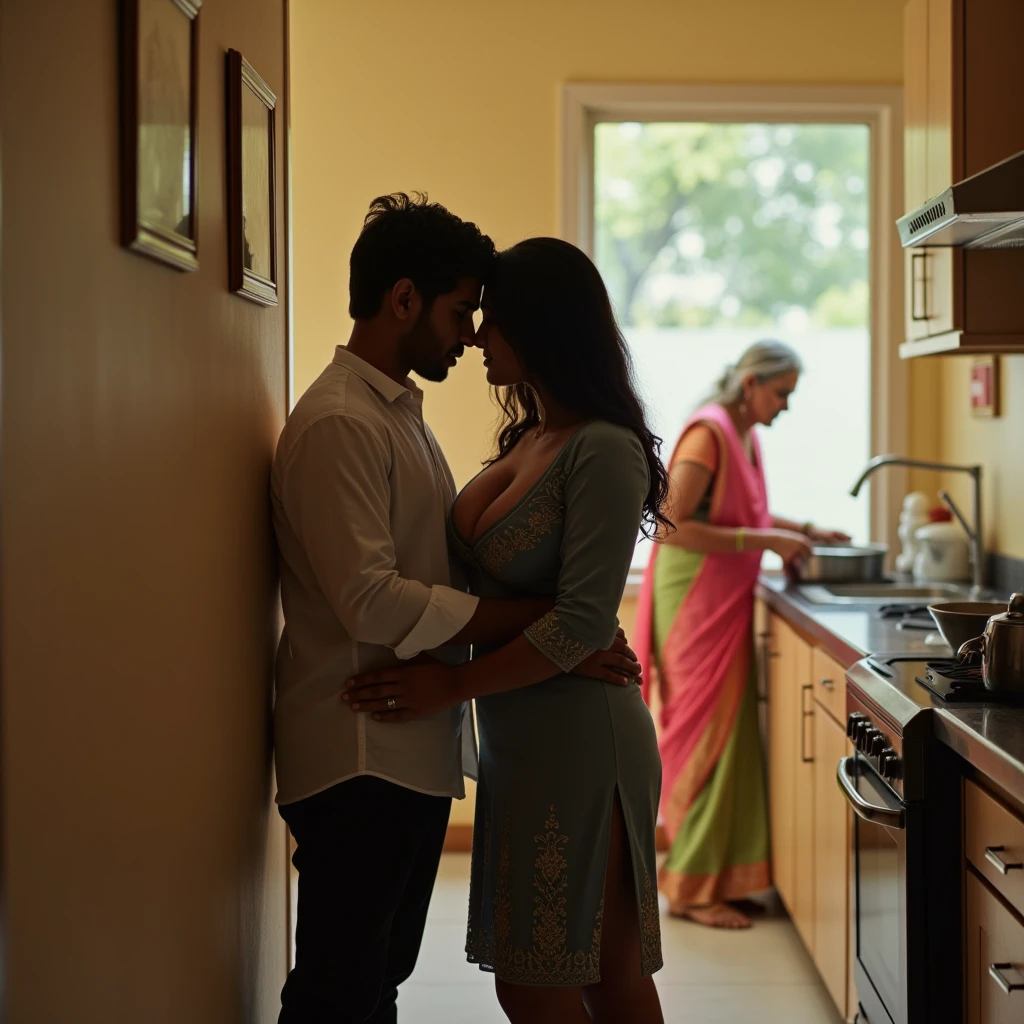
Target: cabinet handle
996	973
992	856
828	684
804	715
914	280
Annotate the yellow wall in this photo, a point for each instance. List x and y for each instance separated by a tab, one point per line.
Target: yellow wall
461	100
998	444
145	874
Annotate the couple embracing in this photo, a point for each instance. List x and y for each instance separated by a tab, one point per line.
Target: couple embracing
388	578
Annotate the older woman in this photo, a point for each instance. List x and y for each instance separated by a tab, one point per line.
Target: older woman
694	625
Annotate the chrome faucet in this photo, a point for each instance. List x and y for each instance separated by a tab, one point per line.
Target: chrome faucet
974	535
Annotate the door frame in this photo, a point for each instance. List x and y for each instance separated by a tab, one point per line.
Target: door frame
878	107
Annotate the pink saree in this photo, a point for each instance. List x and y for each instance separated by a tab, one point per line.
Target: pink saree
713	804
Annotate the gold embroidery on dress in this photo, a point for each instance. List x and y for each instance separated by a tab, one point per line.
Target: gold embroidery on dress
549	961
650	929
547	635
545	513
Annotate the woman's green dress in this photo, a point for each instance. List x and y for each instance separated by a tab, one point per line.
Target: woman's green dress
553	755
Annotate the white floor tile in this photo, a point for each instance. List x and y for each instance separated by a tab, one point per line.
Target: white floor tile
746	1004
763	975
448	1004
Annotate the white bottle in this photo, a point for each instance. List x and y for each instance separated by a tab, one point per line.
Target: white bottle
912	518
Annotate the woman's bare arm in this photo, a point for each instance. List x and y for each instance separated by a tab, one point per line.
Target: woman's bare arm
689	483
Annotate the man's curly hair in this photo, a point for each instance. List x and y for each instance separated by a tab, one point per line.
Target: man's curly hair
407	236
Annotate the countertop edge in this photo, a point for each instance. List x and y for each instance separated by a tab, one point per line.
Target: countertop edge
792	612
980	753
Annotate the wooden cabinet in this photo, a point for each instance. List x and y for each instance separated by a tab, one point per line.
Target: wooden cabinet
994	960
829	678
963	112
994	844
832	848
810	821
782	743
790	776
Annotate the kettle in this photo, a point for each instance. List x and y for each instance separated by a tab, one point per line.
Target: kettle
1001	647
942	553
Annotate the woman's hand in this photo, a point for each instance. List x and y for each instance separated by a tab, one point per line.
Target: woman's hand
789	546
618	665
827	536
404	692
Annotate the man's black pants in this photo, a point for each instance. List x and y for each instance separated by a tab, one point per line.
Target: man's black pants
367	856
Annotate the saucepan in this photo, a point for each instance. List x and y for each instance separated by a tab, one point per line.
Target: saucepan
843	563
1001	647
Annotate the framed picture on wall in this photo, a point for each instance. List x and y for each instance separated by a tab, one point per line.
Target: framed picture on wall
985	387
159	100
252	186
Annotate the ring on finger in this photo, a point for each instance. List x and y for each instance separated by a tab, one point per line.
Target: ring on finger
392	703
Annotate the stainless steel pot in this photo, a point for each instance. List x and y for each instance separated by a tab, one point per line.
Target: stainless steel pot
1001	647
834	563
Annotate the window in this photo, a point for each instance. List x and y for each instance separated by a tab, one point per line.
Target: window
711	236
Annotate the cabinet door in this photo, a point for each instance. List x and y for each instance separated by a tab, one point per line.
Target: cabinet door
832	838
803	800
915	156
995	959
782	741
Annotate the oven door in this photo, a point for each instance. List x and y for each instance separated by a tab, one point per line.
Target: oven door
881	892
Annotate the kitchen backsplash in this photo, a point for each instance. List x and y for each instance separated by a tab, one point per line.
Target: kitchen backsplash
1006	573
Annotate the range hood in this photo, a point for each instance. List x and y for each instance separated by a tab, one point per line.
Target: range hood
985	211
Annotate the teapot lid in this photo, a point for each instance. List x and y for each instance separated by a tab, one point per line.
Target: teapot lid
1014	614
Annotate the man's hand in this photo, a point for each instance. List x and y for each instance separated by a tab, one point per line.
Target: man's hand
618	665
404	692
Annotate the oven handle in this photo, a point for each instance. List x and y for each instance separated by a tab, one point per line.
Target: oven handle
869	812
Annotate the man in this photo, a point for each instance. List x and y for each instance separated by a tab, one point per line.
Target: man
361	492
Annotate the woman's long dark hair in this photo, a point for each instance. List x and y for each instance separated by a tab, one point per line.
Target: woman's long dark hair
550	304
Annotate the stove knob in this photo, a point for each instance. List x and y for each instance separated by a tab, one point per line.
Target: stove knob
889	763
876	742
853	721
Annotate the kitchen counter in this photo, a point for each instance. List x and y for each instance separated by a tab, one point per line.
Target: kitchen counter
991	738
847	632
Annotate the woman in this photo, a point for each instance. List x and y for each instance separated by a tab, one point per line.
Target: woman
694	622
563	904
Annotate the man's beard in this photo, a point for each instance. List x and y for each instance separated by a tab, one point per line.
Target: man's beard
421	350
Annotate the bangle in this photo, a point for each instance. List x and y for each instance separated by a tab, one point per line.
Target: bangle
739	539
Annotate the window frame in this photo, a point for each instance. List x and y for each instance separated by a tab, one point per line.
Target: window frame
880	108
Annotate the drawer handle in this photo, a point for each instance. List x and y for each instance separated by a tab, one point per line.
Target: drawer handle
996	973
992	856
828	684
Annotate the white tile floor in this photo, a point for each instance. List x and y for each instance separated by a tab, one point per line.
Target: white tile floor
711	977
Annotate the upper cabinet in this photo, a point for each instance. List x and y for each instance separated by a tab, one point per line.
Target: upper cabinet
963	112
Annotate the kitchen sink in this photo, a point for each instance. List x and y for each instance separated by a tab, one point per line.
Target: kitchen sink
883	593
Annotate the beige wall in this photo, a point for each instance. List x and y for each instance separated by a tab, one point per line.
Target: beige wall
461	100
998	444
145	868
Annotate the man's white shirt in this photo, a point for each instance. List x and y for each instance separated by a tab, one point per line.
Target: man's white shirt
361	494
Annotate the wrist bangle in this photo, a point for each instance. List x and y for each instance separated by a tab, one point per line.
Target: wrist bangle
739	539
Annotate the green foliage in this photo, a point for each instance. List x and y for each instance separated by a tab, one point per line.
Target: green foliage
705	224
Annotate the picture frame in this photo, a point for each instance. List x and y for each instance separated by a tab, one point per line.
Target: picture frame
985	387
252	183
159	44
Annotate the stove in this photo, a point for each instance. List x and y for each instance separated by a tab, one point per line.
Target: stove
904	789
